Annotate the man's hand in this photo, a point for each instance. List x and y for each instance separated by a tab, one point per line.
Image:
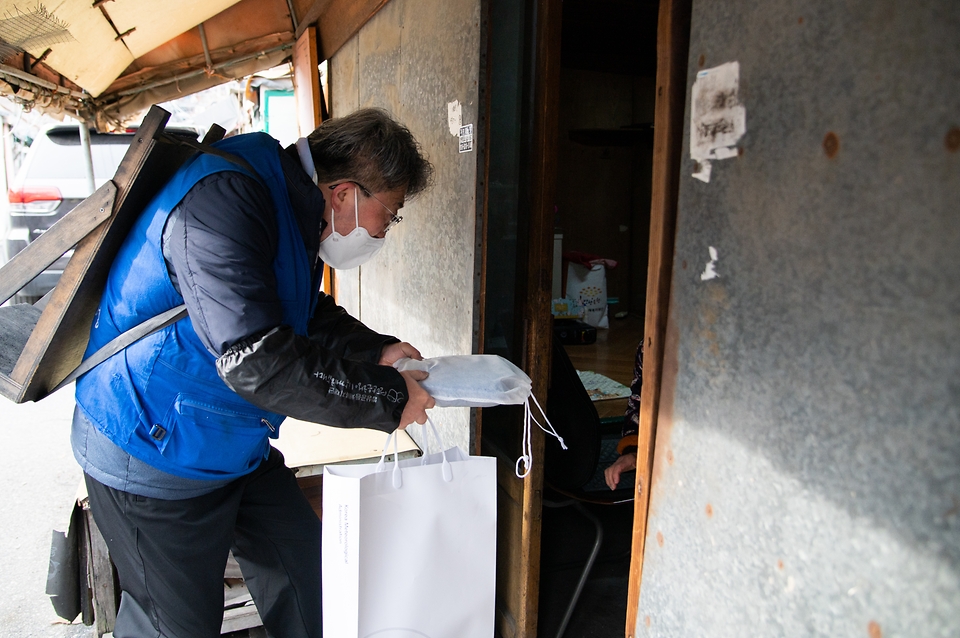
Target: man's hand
623	464
418	400
396	351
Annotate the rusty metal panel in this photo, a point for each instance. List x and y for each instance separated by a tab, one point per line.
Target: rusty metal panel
413	58
807	480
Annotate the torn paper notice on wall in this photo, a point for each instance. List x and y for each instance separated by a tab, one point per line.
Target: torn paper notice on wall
454	117
710	270
466	138
717	118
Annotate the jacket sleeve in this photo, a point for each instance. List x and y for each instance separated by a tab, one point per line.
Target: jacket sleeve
221	248
331	376
334	329
286	373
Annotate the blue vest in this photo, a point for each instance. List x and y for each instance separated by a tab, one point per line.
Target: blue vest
161	399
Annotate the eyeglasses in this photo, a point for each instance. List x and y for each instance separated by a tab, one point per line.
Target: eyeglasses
394	218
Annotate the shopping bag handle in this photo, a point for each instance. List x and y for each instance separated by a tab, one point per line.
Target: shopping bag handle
446	469
425	432
397	474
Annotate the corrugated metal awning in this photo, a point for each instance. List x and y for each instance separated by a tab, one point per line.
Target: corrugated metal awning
110	59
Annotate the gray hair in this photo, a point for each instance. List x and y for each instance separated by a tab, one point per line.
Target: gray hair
370	147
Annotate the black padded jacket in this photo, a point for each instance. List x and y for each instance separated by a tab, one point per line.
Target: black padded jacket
219	244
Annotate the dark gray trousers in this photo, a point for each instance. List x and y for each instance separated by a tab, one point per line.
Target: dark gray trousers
170	555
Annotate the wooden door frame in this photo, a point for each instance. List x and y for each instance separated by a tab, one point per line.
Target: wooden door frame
537	284
673	44
673	36
519	618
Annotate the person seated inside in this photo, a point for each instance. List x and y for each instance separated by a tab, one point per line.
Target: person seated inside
627	447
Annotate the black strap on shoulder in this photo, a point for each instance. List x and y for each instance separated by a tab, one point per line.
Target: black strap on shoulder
203	147
125	339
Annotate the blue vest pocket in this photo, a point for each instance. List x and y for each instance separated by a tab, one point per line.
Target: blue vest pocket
211	437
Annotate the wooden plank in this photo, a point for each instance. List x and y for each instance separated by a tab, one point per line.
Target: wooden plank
86	581
9	388
58	239
232	570
235	596
77	294
105	594
306	81
510	558
511	568
537	286
520	501
57	344
240	618
309	18
673	42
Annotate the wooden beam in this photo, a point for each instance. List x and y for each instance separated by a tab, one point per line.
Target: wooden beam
310	17
57	341
59	238
102	582
537	283
673	43
307	91
306	81
337	21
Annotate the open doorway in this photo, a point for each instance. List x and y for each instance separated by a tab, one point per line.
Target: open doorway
571	151
607	98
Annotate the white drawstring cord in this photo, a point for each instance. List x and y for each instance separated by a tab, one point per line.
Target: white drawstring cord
551	430
526	449
526	446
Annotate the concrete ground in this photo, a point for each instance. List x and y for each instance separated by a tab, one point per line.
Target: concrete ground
39	481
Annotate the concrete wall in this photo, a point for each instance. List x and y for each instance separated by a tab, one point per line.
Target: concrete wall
413	58
807	476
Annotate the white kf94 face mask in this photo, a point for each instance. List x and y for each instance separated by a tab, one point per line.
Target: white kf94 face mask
346	252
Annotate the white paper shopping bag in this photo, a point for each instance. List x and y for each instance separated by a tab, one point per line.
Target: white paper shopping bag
588	285
409	548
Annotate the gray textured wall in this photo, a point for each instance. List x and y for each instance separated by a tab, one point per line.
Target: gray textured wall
413	58
807	477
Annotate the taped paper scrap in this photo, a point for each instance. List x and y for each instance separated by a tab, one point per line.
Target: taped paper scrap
717	118
466	138
454	117
710	270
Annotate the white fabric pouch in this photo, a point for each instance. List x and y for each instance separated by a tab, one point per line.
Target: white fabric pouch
473	381
482	381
